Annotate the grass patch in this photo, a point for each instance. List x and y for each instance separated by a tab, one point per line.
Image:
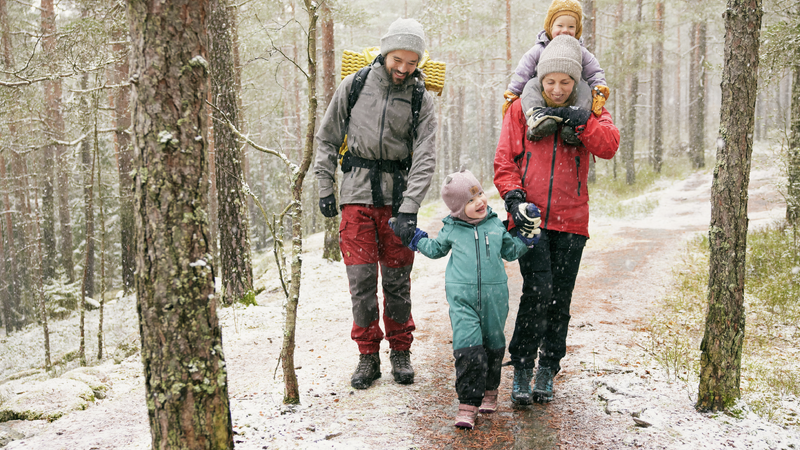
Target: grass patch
770	383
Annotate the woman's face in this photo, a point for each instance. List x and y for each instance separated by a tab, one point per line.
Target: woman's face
558	86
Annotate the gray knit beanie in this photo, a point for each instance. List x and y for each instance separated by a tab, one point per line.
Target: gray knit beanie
563	54
404	34
457	190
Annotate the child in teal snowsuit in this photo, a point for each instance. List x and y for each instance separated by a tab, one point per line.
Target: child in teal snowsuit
477	290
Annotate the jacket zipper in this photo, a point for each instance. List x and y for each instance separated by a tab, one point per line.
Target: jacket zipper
478	257
552	175
578	169
383	122
527	163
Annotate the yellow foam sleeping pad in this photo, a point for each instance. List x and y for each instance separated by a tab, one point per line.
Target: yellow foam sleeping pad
434	70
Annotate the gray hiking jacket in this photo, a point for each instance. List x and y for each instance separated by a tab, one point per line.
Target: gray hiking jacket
380	128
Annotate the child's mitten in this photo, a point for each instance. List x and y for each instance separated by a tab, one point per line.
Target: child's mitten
599	96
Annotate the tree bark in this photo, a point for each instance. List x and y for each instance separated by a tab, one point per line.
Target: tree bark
793	169
185	376
237	271
721	348
87	161
658	90
330	250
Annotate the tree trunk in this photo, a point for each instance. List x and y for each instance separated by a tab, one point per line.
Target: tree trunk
696	95
509	67
658	90
185	376
122	145
87	161
291	393
330	250
237	271
101	211
721	348
89	254
701	100
793	182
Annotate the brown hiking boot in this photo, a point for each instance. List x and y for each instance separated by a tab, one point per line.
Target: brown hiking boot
368	370
466	416
401	367
489	403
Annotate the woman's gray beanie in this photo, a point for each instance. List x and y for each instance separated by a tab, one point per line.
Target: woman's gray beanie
404	34
563	54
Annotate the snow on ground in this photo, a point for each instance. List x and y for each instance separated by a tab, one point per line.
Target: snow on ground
607	384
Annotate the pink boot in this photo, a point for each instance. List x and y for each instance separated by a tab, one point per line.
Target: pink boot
466	416
489	403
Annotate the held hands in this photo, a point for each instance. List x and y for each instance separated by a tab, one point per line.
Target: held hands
418	234
327	206
526	216
405	226
531	213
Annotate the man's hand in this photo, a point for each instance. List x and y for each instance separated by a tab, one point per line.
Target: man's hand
327	206
405	227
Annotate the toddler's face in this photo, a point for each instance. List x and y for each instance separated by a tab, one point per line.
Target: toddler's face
476	206
565	24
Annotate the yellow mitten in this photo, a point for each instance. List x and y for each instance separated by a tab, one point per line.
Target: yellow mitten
510	97
600	94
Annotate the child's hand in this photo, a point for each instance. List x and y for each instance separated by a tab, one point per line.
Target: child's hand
528	241
510	97
418	234
600	95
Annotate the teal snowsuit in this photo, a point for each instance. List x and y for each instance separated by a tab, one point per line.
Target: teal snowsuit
476	285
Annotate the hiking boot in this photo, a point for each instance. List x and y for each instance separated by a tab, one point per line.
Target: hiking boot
570	136
546	128
368	370
543	385
489	403
521	392
466	416
401	367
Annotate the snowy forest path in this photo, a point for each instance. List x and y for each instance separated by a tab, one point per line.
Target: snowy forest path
627	267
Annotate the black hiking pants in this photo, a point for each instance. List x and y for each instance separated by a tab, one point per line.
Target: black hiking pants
548	272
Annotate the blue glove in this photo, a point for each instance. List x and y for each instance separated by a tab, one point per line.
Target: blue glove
418	234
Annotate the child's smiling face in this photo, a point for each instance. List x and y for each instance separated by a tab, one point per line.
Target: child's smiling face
476	206
564	24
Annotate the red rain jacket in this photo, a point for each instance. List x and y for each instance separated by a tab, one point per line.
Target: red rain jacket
551	173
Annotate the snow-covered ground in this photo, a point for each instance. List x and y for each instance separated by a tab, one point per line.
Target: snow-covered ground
610	394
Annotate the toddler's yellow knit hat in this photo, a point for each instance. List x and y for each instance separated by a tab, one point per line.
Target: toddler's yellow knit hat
560	8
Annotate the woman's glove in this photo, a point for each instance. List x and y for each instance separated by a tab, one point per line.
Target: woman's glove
572	115
526	222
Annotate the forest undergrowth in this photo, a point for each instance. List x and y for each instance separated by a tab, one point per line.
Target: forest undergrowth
770	381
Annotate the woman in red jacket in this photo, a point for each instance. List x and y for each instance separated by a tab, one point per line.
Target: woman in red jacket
549	172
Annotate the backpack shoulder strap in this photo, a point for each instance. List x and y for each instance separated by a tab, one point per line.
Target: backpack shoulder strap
416	105
355	90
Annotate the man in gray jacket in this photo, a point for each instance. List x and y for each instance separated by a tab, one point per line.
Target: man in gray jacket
387	172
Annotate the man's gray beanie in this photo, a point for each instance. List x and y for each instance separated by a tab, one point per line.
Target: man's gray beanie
404	34
563	54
